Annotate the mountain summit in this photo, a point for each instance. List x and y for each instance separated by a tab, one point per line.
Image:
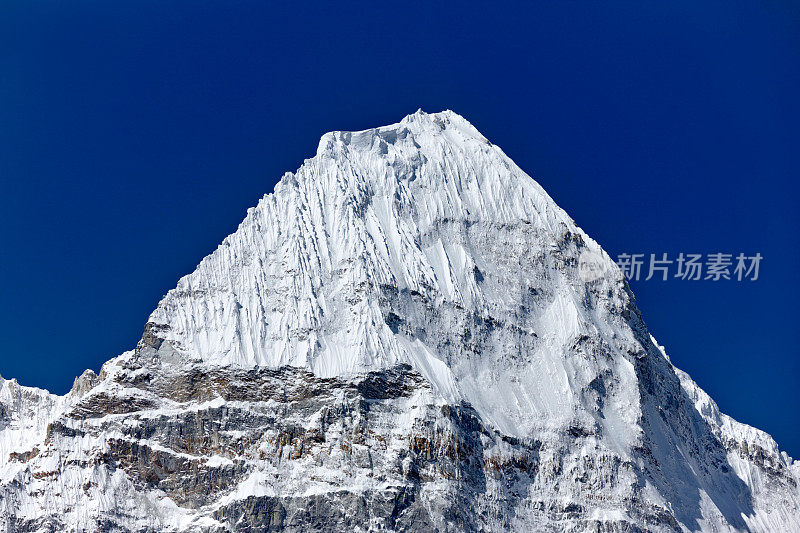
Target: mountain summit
398	338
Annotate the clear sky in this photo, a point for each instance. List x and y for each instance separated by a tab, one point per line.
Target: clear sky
134	136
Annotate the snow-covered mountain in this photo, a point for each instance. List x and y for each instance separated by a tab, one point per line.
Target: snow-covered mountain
398	338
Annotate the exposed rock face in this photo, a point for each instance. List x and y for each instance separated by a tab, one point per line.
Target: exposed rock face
397	339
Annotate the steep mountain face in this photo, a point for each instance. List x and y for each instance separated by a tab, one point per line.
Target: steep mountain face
398	338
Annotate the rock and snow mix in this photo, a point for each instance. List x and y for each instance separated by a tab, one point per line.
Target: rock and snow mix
398	338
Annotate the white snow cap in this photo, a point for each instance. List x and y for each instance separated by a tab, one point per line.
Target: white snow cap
423	207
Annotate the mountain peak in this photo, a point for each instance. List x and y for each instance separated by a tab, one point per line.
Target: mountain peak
398	335
396	206
418	125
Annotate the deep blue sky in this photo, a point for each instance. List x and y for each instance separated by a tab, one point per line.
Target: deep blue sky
134	135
